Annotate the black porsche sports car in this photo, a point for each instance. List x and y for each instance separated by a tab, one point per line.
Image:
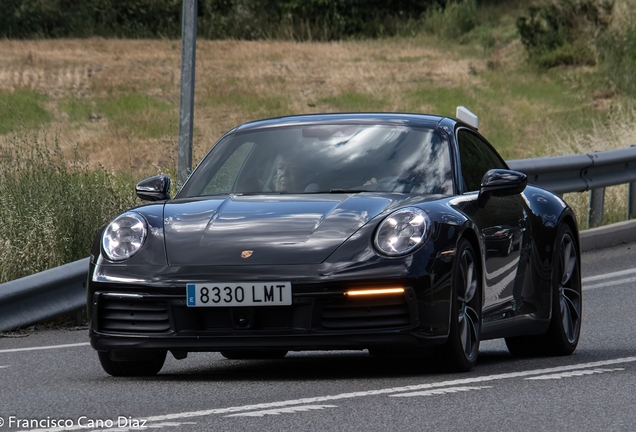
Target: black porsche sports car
396	233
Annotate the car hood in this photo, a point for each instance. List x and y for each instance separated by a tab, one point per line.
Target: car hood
285	229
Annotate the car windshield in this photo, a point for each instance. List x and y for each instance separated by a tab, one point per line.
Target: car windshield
325	159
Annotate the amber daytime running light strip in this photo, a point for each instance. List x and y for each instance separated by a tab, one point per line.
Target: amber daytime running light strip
375	291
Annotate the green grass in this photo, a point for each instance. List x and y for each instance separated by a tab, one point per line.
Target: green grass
486	103
255	104
519	112
22	110
380	58
514	113
442	100
135	114
410	59
78	110
139	114
354	101
241	95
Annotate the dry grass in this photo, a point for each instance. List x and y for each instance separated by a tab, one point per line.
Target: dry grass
619	132
235	82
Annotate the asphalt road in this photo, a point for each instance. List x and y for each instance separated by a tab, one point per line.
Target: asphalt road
52	377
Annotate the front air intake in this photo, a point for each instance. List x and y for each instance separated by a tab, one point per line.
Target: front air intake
366	313
133	316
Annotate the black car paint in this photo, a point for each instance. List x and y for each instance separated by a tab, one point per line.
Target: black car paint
342	257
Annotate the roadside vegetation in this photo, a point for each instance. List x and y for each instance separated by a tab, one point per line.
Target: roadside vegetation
81	120
50	204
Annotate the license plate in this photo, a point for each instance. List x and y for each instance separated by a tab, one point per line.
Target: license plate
239	294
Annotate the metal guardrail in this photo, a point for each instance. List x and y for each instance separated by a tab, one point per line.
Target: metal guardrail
62	290
43	296
580	173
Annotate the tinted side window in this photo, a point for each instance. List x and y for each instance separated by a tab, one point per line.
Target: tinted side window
477	157
223	180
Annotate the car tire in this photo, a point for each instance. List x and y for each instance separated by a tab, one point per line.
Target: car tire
563	334
462	346
146	366
254	354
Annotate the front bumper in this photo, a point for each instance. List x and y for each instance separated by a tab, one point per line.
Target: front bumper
144	307
134	319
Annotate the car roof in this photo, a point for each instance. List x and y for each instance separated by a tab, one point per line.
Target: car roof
401	119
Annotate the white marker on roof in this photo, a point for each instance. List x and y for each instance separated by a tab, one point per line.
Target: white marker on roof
465	115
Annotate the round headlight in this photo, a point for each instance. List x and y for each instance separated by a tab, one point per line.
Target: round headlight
124	236
402	231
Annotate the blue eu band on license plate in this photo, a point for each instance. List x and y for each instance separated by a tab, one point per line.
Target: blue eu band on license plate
239	294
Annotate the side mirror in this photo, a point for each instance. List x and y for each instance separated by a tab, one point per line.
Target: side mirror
501	182
154	188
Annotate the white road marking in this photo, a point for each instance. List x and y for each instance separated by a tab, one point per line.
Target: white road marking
341	396
280	411
608	275
386	391
609	283
44	347
440	391
165	424
574	374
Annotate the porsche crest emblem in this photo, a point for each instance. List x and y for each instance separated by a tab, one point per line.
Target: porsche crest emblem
246	253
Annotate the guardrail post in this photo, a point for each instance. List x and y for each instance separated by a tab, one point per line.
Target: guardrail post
595	212
631	201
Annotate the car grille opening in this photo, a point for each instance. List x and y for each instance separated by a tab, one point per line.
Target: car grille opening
366	313
133	316
227	318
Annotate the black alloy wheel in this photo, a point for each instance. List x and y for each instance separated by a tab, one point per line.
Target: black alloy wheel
569	292
563	334
462	346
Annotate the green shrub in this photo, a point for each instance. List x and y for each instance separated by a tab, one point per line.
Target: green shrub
617	52
568	54
563	32
51	206
452	21
240	19
68	18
